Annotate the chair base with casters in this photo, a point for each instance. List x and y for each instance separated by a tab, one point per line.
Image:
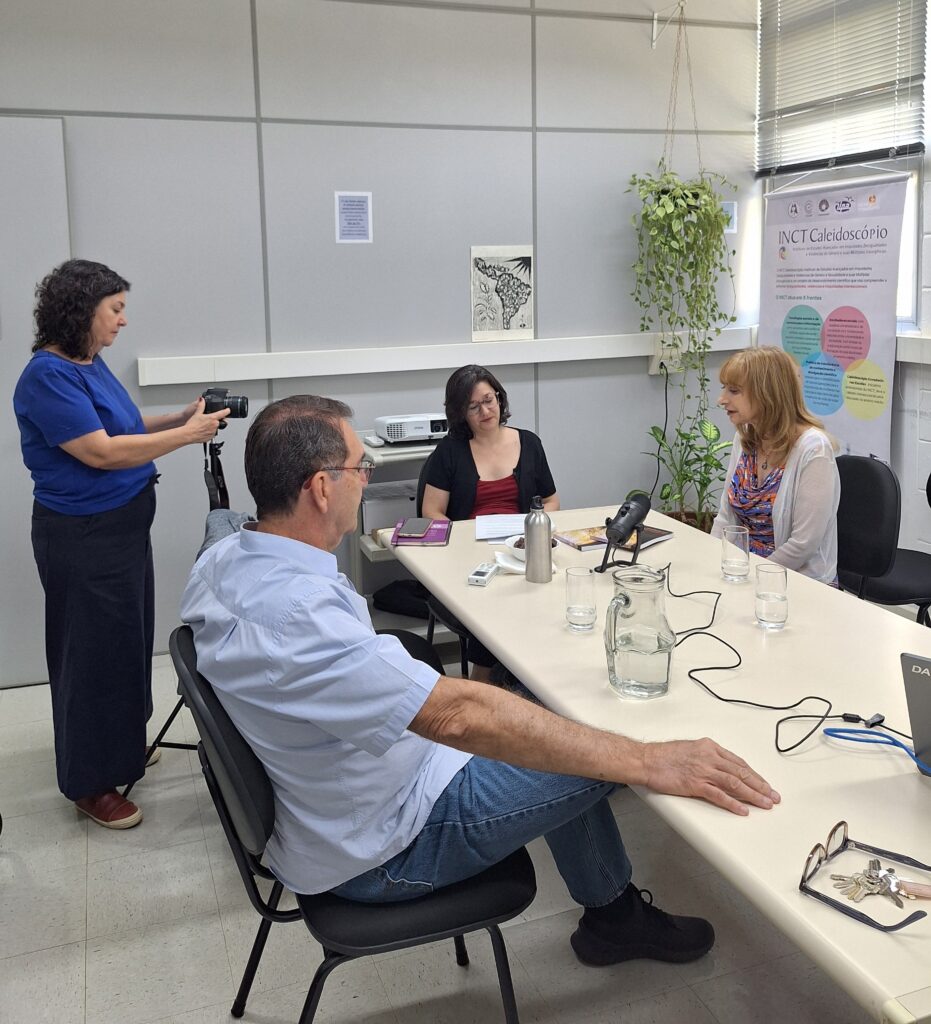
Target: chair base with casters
346	929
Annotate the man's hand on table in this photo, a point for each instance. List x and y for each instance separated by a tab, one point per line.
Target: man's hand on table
707	771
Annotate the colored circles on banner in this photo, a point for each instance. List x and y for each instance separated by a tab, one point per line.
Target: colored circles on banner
832	354
846	335
866	390
822	384
801	332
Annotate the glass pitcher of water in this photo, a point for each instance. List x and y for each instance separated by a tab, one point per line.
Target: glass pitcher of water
638	637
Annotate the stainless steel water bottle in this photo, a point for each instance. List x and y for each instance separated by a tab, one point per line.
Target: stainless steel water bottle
538	543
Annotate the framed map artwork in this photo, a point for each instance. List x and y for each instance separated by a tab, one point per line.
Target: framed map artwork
502	292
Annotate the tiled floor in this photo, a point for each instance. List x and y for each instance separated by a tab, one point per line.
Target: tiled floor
152	924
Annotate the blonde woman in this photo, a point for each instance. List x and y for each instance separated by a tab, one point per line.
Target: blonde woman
782	481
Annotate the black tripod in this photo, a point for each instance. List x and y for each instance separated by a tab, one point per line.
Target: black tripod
219	498
213	475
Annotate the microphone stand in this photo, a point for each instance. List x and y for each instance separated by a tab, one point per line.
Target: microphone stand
613	547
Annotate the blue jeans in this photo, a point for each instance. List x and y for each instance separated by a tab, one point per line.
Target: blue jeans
489	810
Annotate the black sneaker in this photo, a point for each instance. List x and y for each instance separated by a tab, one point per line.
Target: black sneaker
646	932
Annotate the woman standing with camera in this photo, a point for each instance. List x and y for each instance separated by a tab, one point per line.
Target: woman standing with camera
90	454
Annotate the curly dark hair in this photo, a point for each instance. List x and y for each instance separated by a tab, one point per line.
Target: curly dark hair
66	301
459	390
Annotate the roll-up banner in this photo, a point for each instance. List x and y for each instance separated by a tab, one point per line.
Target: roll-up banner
828	290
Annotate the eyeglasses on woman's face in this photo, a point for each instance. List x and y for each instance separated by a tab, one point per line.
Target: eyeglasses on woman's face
490	400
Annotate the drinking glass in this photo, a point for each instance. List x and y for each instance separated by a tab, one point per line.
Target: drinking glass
772	602
735	553
580	598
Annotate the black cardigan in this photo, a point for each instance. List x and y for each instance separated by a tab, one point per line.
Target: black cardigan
452	469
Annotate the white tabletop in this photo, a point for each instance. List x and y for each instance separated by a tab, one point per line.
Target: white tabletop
833	645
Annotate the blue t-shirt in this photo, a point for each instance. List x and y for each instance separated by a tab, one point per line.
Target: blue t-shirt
56	401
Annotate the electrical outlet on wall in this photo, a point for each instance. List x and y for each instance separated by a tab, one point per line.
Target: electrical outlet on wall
668	354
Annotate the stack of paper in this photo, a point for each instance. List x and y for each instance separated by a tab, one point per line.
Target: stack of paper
498	527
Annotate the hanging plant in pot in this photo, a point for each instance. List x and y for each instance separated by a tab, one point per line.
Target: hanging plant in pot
682	255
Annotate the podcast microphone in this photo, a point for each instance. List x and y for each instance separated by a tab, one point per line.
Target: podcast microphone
629	516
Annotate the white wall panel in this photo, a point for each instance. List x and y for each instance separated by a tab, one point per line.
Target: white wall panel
603	74
173	206
594	419
137	56
361	62
585	241
435	194
33	239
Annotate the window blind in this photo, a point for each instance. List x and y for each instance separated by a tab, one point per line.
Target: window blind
839	81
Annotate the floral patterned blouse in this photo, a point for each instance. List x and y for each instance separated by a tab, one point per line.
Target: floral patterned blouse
752	502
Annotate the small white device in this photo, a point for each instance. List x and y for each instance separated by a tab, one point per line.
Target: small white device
374	441
423	426
481	574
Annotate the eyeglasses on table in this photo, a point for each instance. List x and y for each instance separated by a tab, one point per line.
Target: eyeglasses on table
838	840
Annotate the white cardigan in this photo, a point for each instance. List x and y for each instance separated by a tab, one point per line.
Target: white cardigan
805	509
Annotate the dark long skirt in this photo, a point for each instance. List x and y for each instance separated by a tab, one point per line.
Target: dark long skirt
98	579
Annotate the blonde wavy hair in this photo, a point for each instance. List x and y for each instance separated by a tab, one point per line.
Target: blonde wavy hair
771	380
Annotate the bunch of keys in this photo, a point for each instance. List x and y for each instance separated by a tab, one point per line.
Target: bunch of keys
880	881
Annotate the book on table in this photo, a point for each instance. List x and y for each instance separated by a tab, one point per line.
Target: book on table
595	536
436	534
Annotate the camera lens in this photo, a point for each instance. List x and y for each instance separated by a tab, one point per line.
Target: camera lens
238	406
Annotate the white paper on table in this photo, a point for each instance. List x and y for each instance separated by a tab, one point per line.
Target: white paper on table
497	527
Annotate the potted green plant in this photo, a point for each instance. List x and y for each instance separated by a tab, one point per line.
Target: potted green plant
682	256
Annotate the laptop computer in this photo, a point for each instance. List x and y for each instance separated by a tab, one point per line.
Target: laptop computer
917	674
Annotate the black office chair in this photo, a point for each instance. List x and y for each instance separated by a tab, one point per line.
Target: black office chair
438	612
908	581
867	521
242	794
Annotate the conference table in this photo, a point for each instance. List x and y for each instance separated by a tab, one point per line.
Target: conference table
833	645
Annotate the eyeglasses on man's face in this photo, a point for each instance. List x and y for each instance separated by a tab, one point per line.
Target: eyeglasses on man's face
838	840
365	469
486	403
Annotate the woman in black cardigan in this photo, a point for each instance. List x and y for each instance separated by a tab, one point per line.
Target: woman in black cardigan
483	466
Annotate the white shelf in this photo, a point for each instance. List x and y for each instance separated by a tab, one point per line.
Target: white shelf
282	365
386	454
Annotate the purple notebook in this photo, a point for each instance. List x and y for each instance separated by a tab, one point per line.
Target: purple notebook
436	536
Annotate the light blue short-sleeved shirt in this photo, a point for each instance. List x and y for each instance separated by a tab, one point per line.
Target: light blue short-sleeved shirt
323	701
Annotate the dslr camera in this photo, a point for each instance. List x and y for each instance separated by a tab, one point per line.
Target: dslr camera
216	399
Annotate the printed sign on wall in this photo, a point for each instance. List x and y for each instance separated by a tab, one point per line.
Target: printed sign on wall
830	272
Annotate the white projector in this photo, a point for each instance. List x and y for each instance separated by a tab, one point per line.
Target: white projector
424	426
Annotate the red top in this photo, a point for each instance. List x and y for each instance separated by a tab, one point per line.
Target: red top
496	497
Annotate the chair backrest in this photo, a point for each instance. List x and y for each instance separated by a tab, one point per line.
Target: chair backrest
238	773
868	516
422	484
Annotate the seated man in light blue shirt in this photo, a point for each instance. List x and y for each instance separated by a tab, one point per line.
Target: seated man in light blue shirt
378	796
